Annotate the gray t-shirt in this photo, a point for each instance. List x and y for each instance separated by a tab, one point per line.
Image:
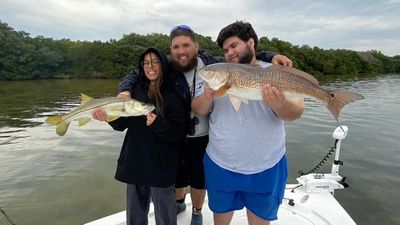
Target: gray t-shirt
247	141
201	129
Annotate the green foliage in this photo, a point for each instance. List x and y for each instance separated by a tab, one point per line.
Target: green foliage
339	61
24	57
211	46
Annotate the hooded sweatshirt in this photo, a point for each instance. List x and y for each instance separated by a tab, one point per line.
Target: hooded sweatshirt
149	154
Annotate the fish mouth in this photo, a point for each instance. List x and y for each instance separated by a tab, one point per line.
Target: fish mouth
138	108
213	84
149	109
216	87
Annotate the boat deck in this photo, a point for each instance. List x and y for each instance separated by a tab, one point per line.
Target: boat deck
319	208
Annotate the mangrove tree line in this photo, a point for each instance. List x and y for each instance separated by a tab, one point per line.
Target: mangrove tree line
26	57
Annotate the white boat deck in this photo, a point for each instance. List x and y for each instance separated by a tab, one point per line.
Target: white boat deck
309	208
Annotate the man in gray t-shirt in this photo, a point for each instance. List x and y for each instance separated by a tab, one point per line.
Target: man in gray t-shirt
246	146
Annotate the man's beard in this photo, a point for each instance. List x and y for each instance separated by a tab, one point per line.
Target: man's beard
247	57
192	63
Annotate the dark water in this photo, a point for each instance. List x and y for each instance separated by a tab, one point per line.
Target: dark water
46	179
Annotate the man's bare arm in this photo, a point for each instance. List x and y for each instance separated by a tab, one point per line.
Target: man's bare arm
201	105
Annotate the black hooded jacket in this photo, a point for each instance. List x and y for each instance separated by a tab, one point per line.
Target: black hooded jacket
149	154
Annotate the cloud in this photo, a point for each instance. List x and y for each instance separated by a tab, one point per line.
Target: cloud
356	25
350	24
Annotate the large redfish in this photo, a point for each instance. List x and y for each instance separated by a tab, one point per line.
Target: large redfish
244	82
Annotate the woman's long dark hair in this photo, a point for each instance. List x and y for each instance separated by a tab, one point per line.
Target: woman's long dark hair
155	88
155	92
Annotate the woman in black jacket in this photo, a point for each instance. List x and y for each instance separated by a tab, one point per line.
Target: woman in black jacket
150	151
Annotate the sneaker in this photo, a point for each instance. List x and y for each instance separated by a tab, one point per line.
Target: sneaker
197	218
180	207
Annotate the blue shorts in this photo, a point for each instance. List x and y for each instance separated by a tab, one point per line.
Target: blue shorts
261	193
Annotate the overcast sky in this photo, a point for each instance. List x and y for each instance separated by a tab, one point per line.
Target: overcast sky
346	24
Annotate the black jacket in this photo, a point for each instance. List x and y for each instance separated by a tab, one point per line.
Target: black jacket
149	154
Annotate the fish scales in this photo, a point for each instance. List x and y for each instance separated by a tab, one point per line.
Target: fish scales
250	83
244	82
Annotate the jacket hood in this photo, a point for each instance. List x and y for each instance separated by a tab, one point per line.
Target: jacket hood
164	63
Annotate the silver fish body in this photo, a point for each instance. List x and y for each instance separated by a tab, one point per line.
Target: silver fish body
245	82
114	106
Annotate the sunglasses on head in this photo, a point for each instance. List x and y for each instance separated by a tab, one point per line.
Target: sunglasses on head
183	27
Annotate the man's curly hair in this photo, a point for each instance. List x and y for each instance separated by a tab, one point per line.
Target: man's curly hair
241	29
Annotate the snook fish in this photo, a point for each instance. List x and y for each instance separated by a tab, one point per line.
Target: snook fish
244	82
114	106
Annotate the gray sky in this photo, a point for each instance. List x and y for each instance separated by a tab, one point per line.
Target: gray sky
347	24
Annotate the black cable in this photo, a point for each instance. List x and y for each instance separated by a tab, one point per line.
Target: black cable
322	162
295	188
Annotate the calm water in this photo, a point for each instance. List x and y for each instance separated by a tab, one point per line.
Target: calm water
46	179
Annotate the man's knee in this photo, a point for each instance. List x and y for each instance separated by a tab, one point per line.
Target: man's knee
223	218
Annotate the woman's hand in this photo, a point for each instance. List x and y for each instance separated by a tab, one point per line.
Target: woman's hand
100	114
150	118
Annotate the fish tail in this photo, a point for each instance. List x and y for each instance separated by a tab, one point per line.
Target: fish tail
62	128
339	99
54	120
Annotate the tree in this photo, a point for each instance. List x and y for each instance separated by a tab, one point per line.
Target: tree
23	57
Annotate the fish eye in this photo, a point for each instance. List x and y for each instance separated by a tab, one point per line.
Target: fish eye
332	95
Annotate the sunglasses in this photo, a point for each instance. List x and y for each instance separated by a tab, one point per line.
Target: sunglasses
183	27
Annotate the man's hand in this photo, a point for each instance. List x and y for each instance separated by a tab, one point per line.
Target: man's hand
201	105
124	94
285	109
100	114
282	60
273	97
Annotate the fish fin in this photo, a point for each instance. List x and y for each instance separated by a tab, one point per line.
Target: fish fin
111	118
85	99
83	121
293	71
62	128
54	120
339	99
222	90
235	102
